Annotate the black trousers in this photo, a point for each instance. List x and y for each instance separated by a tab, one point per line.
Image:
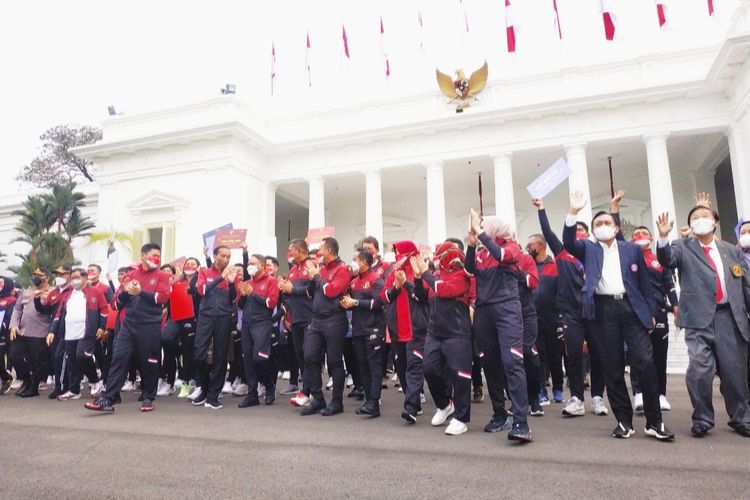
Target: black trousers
399	362
575	331
256	355
297	335
505	320
5	360
104	353
449	358
325	335
143	340
79	360
178	340
531	362
211	377
414	373
351	361
616	323
488	350
659	345
370	366
27	357
58	364
550	346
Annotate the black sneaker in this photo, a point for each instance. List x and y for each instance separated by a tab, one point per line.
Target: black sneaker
521	433
357	392
535	408
699	429
213	405
498	423
659	431
250	400
100	404
743	430
332	409
312	407
478	395
409	417
53	394
200	400
270	395
623	431
147	405
371	409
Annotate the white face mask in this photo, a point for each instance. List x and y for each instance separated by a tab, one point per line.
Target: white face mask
252	270
642	243
604	233
76	283
745	241
189	273
702	226
354	267
59	281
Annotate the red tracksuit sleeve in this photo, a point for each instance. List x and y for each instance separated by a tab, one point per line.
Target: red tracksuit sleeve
450	285
273	295
338	284
528	266
201	283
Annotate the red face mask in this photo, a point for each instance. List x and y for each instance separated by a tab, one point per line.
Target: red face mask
91	275
154	261
190	268
581	236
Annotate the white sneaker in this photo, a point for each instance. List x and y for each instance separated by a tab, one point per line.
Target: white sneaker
329	384
165	389
241	390
574	408
442	415
638	403
227	389
286	375
349	381
261	390
664	404
69	396
597	406
422	398
96	389
456	427
299	400
177	384
195	394
128	386
400	389
17	383
50	380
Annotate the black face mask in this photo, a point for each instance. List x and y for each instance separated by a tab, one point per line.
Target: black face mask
36	281
533	252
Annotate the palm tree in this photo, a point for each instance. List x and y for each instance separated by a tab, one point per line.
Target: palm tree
112	238
63	200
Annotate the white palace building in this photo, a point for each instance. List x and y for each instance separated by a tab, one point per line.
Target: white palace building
675	123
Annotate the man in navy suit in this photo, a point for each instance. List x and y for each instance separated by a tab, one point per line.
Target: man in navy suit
618	300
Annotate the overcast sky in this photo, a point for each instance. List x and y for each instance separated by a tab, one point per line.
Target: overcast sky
65	62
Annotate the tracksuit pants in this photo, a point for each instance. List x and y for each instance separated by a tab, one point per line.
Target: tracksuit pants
211	376
144	340
79	360
256	355
575	331
414	373
449	358
370	366
325	335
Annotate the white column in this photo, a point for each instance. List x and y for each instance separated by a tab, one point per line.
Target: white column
739	153
660	180
317	203
374	205
579	178
268	238
435	203
505	205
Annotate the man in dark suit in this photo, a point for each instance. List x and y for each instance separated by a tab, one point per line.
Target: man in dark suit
617	298
714	306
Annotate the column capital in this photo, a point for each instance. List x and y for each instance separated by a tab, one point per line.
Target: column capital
370	171
573	147
655	137
433	165
501	156
314	178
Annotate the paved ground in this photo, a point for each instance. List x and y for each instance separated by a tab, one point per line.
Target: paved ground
55	449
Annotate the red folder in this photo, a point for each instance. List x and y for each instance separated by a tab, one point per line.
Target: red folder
111	318
180	302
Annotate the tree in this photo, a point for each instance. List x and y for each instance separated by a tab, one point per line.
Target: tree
49	223
56	165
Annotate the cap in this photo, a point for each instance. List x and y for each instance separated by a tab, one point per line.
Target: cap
38	272
63	270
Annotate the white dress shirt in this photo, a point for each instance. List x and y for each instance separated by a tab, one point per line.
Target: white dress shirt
75	316
714	252
611	281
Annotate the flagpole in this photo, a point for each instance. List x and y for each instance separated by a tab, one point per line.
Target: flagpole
611	178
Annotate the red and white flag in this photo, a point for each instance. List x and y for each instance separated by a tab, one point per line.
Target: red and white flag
510	30
558	28
383	50
661	12
710	7
421	31
345	41
466	17
609	20
308	50
273	65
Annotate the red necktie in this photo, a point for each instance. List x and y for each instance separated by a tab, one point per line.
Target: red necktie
719	291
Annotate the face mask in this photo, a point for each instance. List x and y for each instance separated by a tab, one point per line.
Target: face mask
642	241
534	253
581	236
36	281
604	233
354	267
745	241
189	272
153	262
59	281
252	270
92	276
76	283
702	226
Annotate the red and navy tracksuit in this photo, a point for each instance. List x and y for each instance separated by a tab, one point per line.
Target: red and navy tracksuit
178	338
79	354
257	331
299	306
498	322
140	331
327	331
576	330
57	349
215	322
447	348
368	331
665	296
528	280
7	303
550	339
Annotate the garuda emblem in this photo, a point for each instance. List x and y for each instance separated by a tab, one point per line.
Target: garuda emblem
462	89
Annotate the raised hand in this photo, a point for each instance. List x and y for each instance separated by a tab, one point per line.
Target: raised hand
577	202
475	223
537	202
614	205
703	200
664	224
